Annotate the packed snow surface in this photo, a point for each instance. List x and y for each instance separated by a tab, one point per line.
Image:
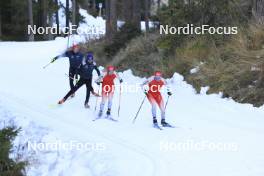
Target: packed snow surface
228	136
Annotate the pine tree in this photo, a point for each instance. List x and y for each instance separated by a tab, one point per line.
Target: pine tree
67	12
147	7
73	12
111	19
258	11
30	19
132	13
57	15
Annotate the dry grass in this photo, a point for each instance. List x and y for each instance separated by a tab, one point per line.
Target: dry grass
234	67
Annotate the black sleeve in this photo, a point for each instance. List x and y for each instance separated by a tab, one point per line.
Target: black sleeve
66	54
97	70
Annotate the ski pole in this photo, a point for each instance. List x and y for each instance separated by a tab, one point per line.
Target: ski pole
69	76
47	65
139	109
97	99
167	102
119	103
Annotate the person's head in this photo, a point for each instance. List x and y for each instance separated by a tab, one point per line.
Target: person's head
110	69
89	57
157	75
75	48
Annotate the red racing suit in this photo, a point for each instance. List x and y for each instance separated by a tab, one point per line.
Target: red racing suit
108	88
154	95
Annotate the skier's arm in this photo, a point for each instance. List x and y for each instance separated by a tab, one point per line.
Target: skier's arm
66	54
96	69
118	77
147	81
168	87
143	85
99	80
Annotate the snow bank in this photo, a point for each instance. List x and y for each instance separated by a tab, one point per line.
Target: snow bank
30	93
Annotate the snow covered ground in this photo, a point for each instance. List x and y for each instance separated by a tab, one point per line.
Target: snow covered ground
228	136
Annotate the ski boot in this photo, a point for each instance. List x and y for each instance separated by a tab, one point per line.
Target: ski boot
108	112
100	114
165	124
108	115
155	120
61	101
86	105
155	124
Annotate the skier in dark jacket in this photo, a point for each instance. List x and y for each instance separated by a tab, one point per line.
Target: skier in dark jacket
85	70
75	58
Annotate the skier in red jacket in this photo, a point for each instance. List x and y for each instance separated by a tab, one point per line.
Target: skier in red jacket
155	83
108	88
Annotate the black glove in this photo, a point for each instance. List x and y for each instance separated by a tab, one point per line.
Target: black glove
169	93
121	80
53	60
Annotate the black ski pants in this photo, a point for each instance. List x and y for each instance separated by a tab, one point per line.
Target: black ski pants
80	83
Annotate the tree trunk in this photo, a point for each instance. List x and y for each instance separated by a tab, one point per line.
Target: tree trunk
111	19
158	5
44	15
258	11
147	7
57	16
107	20
73	12
30	20
94	5
136	14
50	36
87	5
67	11
132	12
113	15
127	10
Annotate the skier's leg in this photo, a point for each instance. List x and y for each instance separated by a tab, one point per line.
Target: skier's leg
154	111
110	100
104	97
162	110
88	90
153	107
74	89
160	103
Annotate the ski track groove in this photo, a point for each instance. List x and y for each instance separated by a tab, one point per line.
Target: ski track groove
115	140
